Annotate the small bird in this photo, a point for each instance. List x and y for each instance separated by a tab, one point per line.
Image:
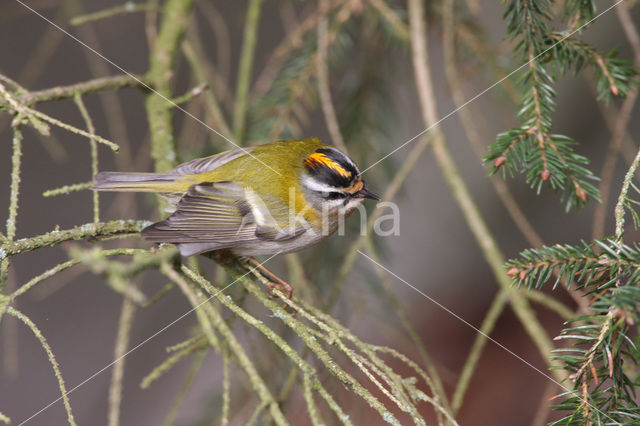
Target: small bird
274	198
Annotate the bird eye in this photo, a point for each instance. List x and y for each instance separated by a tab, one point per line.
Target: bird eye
334	195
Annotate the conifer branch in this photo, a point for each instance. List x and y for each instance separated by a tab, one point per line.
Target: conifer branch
532	149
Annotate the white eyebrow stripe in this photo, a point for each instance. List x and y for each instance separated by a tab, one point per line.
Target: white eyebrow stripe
314	185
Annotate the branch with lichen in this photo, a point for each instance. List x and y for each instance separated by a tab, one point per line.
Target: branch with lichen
88	231
27	115
175	15
331	333
31	98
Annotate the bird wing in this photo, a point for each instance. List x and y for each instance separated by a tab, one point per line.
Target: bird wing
217	215
206	164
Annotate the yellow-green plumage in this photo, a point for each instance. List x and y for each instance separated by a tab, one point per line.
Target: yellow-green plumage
268	199
271	168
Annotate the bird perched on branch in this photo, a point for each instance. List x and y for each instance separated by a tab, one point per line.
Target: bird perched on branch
274	198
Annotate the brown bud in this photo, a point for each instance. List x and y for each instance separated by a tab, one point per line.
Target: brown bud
511	272
522	275
545	174
500	161
614	90
581	194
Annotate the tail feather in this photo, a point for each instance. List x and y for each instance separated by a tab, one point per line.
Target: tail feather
142	182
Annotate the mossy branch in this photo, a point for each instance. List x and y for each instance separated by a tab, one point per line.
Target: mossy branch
97	231
175	14
332	334
84	88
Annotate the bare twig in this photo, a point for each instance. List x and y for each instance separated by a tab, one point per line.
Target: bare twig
54	364
83	88
469	367
128	7
324	89
211	102
67	189
619	128
122	344
186	385
245	69
459	189
94	153
292	41
220	28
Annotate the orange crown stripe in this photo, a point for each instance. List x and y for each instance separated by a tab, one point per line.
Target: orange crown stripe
320	158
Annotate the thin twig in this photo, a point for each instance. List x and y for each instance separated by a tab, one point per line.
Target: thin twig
128	7
190	94
211	102
619	209
619	129
301	331
467	121
245	69
220	28
83	88
292	41
551	303
34	117
109	99
180	351
226	387
247	365
67	189
54	364
210	71
469	367
203	310
14	187
14	190
94	153
186	385
324	89
459	189
433	380
122	344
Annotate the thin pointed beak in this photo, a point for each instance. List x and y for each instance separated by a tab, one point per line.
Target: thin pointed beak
365	193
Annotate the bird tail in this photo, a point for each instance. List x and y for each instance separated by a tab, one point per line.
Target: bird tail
139	182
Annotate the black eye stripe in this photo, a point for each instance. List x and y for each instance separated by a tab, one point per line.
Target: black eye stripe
335	195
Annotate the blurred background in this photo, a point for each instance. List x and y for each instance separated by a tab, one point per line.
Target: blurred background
372	87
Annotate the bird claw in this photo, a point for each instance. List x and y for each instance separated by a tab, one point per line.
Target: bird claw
281	286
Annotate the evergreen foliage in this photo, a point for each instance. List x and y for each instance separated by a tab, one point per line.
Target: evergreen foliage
605	352
532	149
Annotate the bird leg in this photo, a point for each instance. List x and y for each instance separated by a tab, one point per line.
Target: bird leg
274	282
